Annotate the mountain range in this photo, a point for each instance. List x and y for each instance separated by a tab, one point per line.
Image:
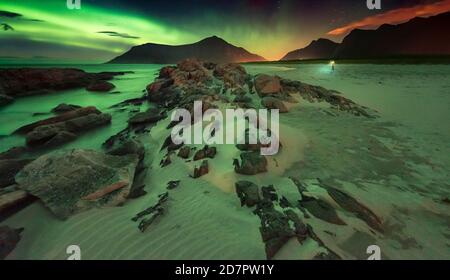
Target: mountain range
417	37
213	49
321	48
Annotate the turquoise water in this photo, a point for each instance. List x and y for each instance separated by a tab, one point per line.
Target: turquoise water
21	111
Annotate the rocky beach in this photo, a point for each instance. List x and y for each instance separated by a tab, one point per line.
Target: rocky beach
111	181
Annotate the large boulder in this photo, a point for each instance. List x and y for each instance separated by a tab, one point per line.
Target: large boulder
100	86
251	163
8	170
32	81
274	103
267	85
316	93
49	135
60	118
87	122
28	81
9	238
63	132
69	182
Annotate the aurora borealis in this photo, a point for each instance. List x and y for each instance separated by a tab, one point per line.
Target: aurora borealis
46	31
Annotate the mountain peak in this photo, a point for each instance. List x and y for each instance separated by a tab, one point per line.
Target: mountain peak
213	49
214	39
319	48
417	37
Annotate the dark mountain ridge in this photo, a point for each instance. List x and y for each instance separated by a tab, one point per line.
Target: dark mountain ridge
321	48
417	37
212	49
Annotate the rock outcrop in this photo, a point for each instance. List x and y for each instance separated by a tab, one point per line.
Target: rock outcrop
233	75
266	85
313	93
100	86
248	193
64	127
68	182
17	82
58	119
280	221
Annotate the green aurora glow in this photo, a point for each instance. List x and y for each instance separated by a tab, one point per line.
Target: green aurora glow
80	29
63	35
46	31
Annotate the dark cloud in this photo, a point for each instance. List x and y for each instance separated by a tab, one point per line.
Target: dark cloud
117	34
9	14
6	27
12	15
33	19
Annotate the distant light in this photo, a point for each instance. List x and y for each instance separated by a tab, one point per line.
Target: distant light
332	63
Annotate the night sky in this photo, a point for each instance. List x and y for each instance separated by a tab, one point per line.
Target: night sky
46	31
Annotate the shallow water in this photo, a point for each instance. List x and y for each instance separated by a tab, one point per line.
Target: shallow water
21	111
